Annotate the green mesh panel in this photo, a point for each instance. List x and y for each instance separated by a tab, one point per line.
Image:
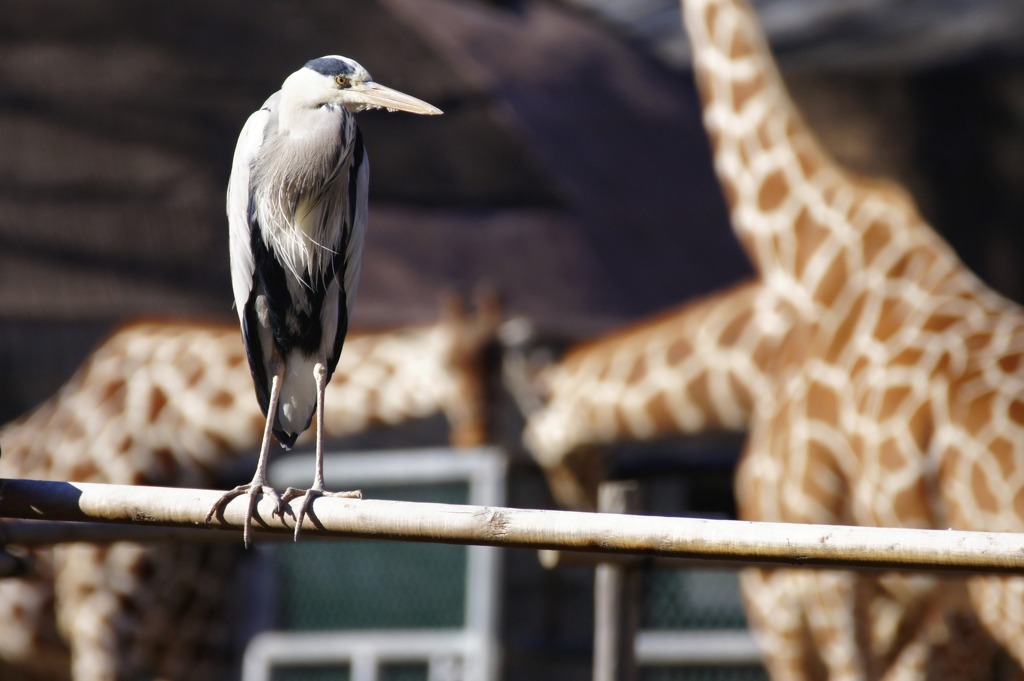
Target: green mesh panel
703	674
309	674
375	584
405	672
692	599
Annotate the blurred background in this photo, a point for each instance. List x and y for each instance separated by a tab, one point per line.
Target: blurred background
570	169
570	172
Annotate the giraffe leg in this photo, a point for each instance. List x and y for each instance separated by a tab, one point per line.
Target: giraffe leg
258	485
317	490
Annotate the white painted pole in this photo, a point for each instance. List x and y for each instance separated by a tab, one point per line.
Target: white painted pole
775	543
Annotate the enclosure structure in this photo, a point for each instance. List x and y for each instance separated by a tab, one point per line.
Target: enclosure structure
365	606
474	515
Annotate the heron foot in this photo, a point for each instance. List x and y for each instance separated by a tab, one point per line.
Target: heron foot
254	490
311	494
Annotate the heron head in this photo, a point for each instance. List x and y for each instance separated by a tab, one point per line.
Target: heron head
344	82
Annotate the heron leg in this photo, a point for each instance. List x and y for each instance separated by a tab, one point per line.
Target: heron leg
258	485
317	490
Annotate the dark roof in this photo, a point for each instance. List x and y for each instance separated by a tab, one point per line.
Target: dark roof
558	174
570	169
853	35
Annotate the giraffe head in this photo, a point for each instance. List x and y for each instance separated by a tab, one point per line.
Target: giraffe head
471	364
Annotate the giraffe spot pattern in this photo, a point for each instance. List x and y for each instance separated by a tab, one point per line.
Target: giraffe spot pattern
982	490
157	403
773	191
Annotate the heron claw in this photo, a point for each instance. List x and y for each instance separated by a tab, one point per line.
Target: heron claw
253	489
310	495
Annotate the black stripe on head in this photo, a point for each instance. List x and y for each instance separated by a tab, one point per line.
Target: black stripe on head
331	66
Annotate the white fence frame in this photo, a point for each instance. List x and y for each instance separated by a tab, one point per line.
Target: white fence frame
470	653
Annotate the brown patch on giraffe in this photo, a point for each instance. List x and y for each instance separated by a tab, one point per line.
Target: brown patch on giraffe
711	18
891	456
222	399
845	332
113	395
921	426
890	319
1017	412
678	351
833	282
763	131
622	424
1018	504
875	239
218	441
977	342
743	90
739	390
893	398
728	190
795	126
938	322
745	156
637	371
809	237
157	402
699	392
234	360
741	46
657	408
810	162
83	471
819	459
856	442
1003	453
979	413
822	403
126	444
194	374
908	357
984	498
73	428
898	268
86	589
911	503
773	191
735	328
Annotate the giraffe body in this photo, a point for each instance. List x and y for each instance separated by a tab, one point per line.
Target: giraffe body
697	368
171	403
891	395
898	398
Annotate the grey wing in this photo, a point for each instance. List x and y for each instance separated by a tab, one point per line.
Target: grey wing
348	262
357	237
238	205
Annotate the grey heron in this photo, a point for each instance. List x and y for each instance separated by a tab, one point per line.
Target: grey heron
297	208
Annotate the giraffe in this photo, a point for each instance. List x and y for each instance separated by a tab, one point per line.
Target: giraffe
698	367
898	397
703	366
892	399
166	402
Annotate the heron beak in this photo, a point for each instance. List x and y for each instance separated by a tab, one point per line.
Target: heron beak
376	95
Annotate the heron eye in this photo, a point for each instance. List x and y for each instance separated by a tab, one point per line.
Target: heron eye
343	81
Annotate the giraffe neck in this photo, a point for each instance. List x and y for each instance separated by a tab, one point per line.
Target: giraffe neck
695	369
389	378
173	402
814	232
